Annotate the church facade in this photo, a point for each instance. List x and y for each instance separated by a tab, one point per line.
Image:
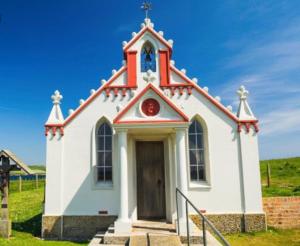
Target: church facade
147	130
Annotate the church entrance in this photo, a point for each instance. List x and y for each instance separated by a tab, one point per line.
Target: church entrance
151	200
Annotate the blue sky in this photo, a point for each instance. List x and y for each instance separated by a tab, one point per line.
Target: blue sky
72	45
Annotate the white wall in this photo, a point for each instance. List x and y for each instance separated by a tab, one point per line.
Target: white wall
74	159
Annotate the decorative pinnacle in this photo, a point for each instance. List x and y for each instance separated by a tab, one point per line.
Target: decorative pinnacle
242	92
146	6
56	97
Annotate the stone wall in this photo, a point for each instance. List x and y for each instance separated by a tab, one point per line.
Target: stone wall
75	228
234	223
282	212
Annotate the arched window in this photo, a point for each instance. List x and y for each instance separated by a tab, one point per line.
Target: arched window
148	61
104	153
196	151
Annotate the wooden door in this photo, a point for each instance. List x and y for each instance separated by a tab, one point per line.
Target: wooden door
150	180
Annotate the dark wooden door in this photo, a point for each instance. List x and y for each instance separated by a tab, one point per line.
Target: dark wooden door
151	202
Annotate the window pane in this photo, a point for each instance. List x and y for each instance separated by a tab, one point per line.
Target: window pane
192	127
198	127
108	143
101	130
199	141
108	174
193	159
100	143
201	173
100	173
100	159
200	156
193	173
108	159
192	141
107	129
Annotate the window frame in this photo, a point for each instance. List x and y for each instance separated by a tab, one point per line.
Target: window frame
103	183
154	54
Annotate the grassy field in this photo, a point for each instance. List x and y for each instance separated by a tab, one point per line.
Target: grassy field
285	177
271	237
26	214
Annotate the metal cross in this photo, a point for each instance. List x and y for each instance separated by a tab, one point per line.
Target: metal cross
146	6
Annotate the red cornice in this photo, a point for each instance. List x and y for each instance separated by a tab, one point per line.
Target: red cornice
96	94
206	95
149	87
154	33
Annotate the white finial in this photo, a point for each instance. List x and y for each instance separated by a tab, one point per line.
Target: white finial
242	92
149	76
124	43
123	62
81	101
218	98
172	62
143	25
171	42
103	81
161	33
92	91
151	24
114	71
56	97
56	116
71	111
229	107
205	88
133	34
183	71
195	80
244	110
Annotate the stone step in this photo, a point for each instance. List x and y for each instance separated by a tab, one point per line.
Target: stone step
150	239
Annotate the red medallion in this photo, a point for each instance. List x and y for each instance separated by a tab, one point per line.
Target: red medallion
150	107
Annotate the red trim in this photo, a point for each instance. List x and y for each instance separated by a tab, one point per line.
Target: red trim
154	33
164	66
96	94
150	86
131	68
148	121
248	124
53	128
181	75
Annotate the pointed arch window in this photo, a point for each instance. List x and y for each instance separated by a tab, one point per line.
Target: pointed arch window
148	59
104	153
196	152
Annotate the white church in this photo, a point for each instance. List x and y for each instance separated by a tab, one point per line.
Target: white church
118	158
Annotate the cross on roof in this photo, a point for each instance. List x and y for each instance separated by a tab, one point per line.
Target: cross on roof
146	6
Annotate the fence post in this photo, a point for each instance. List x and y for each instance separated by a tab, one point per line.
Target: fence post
268	175
36	181
20	183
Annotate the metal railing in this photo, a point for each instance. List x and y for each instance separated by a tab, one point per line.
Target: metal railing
203	218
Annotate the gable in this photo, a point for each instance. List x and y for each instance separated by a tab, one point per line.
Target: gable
163	109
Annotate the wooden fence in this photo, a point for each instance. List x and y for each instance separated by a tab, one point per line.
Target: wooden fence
19	183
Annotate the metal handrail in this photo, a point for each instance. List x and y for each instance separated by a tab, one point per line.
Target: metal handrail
204	220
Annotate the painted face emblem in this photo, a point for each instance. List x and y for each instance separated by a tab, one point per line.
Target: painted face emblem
150	107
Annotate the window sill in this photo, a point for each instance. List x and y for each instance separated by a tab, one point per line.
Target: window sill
199	185
103	186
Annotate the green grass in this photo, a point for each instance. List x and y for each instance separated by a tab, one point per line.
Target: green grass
285	177
271	237
26	213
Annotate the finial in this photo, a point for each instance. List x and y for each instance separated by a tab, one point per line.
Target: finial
56	97
146	6
242	92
